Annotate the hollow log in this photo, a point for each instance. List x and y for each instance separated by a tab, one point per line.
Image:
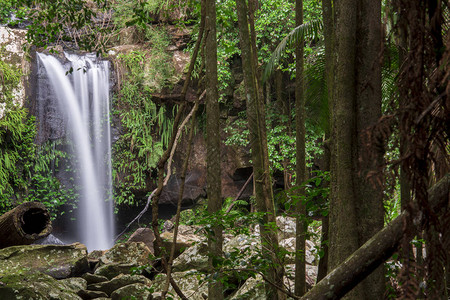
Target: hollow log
24	224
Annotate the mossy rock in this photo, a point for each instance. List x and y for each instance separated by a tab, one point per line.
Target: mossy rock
127	253
192	283
132	291
118	282
35	286
58	261
112	270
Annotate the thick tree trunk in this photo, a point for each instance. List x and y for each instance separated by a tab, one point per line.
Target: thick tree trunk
24	224
214	190
377	249
300	246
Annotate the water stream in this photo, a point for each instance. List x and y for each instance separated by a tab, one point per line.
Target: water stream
83	97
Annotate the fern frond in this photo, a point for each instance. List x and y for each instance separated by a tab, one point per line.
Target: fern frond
311	29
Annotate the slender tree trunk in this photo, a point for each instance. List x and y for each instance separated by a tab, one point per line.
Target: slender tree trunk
369	157
300	246
214	189
258	144
328	22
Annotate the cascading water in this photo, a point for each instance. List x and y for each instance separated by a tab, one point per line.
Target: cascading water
83	97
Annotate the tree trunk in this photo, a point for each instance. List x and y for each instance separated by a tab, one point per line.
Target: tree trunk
377	249
301	225
369	156
24	224
343	218
214	189
258	144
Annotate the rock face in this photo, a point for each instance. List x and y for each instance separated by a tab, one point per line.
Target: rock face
12	41
58	261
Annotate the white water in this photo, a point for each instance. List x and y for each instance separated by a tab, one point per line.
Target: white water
84	98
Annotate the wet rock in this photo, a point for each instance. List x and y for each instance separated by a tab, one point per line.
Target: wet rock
49	240
137	290
58	261
35	286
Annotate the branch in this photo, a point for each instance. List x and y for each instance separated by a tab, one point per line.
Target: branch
239	194
376	250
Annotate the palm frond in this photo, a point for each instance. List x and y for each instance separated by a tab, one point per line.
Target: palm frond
311	29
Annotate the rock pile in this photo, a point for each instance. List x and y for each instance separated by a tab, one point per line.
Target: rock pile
128	271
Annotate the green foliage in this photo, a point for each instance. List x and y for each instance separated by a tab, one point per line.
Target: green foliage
281	143
50	21
10	77
44	186
310	29
16	153
6	8
27	172
315	196
137	151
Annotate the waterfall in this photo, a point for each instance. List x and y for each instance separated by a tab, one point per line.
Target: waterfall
83	97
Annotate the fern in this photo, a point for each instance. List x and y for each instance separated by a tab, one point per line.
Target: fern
311	29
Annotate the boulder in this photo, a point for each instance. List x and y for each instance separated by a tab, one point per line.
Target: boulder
58	261
93	278
253	288
190	282
132	291
109	287
35	286
144	235
87	294
127	253
286	227
311	275
289	245
183	241
75	283
112	270
194	257
245	246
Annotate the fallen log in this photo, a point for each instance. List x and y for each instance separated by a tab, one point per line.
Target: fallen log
24	224
376	250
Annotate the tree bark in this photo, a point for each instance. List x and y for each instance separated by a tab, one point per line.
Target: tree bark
377	249
343	218
300	241
24	224
214	187
369	153
258	144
